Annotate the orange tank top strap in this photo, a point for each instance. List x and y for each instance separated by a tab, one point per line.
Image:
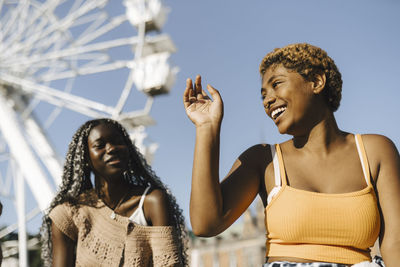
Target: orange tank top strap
363	159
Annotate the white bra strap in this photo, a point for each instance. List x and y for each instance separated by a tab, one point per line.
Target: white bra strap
365	166
275	161
143	196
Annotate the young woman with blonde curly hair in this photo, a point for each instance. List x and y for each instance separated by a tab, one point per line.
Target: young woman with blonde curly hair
127	218
328	194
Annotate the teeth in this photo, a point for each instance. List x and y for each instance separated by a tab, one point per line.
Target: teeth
277	111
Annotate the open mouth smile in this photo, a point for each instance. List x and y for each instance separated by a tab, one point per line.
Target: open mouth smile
277	112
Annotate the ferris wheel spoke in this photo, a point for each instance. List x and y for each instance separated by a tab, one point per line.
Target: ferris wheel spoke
57	66
94	21
7	182
68	52
73	51
24	156
11	19
11	228
65	23
52	117
40	17
57	109
59	98
20	28
61	69
34	35
91	69
124	95
100	46
78	5
75	14
86	38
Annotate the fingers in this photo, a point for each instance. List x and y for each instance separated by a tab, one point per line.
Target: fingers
188	93
214	93
198	89
197	84
194	92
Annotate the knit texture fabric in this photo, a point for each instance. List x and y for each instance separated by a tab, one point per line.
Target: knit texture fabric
102	241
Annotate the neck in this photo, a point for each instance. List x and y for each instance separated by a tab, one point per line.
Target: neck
110	192
321	137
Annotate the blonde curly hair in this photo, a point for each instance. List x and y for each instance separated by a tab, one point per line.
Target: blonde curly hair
308	60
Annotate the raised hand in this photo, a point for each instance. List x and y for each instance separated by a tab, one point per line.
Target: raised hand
200	108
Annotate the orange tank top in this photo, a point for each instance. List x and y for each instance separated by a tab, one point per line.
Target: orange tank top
338	228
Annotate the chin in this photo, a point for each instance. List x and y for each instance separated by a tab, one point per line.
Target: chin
282	129
287	128
115	173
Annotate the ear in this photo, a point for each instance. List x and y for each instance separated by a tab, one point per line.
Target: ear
319	82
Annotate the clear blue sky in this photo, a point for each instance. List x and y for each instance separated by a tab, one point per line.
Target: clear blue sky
224	41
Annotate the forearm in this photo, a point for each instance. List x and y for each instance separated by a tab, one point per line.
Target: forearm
206	200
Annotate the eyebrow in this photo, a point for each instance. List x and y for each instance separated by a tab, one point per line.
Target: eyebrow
95	141
96	138
272	78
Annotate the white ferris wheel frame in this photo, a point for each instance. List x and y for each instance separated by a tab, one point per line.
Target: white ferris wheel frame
38	48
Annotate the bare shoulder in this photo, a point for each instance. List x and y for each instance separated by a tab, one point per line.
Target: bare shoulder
156	208
257	154
156	197
377	139
258	148
383	157
252	162
377	145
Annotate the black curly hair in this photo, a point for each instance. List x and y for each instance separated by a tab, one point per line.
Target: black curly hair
76	180
308	60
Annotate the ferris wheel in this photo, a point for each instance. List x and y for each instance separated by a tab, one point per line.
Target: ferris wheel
54	56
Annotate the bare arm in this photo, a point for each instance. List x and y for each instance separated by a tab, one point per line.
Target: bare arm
156	208
388	188
215	206
158	213
63	248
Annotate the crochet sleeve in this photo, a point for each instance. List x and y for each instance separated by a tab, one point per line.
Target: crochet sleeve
165	246
62	217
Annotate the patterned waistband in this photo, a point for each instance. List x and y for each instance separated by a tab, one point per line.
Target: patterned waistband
376	262
301	264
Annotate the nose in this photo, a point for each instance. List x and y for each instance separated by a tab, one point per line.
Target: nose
110	148
269	99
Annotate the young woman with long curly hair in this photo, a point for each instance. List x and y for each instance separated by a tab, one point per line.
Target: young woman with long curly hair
128	217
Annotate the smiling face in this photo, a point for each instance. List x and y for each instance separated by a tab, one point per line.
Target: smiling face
289	100
108	151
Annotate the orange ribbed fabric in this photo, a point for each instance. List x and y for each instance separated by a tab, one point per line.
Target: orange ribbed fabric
336	228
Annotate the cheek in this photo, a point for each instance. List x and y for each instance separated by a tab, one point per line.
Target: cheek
92	156
302	101
94	159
